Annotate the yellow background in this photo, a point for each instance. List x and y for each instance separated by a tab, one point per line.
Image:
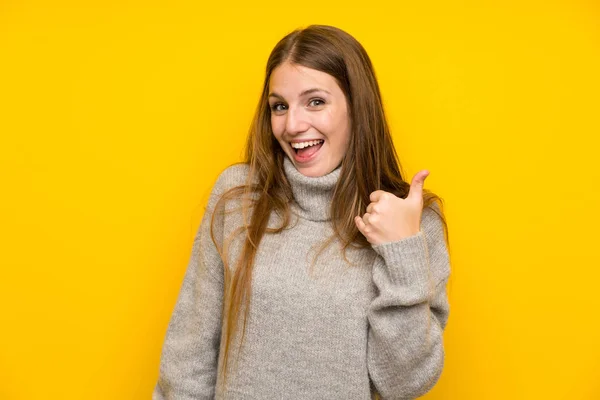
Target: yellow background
115	119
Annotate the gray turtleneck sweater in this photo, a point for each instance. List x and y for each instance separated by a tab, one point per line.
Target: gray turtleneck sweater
333	331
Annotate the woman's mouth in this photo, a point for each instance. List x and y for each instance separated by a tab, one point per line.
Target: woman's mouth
306	151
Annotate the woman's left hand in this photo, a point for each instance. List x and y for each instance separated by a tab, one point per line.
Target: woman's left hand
390	218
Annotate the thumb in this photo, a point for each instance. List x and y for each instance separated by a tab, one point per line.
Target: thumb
416	185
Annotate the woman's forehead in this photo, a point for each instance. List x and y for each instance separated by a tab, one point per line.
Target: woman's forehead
297	80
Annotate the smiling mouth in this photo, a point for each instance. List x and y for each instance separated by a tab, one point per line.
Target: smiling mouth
302	147
305	152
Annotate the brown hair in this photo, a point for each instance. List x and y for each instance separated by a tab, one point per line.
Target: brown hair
370	163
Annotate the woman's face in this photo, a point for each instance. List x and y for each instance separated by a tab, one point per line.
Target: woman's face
309	118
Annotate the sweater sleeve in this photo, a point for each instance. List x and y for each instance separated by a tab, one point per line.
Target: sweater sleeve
407	317
189	358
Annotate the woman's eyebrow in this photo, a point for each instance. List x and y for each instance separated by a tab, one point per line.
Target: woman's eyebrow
304	93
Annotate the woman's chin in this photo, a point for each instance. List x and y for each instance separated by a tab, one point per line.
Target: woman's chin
315	167
314	171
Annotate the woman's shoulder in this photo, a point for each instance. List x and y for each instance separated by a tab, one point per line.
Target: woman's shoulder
232	176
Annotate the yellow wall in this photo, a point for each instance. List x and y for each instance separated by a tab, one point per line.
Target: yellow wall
116	119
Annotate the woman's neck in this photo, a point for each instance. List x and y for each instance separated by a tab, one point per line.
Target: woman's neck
312	195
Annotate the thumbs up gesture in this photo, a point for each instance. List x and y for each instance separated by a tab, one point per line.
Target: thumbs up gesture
390	218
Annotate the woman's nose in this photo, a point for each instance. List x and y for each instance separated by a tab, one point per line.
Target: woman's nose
296	121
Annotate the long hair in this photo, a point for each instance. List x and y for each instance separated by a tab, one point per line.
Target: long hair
370	163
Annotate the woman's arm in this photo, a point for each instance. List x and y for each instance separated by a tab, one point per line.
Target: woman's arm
189	358
405	351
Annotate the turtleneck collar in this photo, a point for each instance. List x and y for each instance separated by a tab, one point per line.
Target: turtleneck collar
312	195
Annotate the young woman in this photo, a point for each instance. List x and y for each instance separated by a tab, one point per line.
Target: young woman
317	272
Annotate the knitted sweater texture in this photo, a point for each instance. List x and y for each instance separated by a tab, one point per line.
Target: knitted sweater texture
331	331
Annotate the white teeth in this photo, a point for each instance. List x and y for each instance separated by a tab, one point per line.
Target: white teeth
301	145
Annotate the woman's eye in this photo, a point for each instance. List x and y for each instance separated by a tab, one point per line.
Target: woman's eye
275	107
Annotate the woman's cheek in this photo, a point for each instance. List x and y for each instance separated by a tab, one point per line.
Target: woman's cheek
275	127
